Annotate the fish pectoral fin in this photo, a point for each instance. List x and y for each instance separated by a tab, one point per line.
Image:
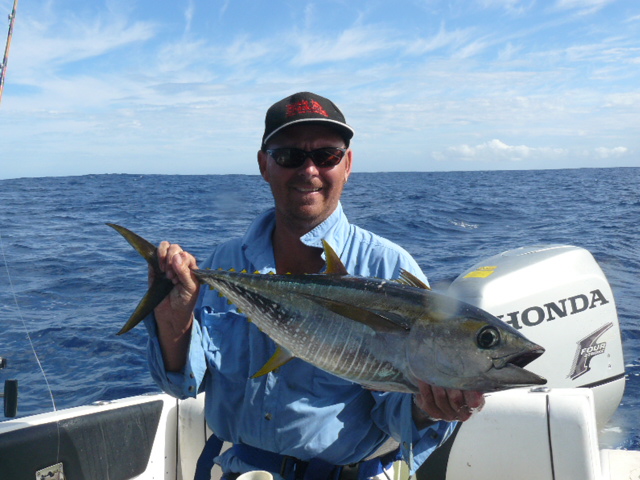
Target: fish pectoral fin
408	278
334	264
378	321
278	359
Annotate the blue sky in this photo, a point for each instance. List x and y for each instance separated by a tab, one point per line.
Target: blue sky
181	87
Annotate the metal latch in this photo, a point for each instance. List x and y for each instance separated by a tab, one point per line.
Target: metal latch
54	472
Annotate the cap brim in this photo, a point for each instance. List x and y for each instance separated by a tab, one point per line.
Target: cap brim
345	130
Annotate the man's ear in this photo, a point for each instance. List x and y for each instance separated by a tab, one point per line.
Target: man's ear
263	157
348	166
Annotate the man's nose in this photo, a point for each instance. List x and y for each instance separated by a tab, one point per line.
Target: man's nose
309	164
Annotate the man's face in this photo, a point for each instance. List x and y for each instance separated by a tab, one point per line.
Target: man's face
307	195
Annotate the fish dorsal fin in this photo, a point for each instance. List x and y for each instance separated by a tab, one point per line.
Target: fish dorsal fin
378	321
334	264
408	278
278	359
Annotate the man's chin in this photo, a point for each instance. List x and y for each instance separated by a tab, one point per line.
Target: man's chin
312	215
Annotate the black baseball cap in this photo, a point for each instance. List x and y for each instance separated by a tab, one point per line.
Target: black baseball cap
304	107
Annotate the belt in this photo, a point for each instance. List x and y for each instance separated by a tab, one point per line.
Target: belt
288	467
347	473
292	468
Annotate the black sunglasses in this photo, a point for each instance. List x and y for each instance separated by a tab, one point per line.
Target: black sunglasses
295	157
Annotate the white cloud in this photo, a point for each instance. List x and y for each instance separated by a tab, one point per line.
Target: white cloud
244	50
440	40
629	99
358	42
583	7
472	49
602	152
511	6
43	48
188	16
496	151
509	52
492	151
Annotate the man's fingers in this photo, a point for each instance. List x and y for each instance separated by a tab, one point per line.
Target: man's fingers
434	401
448	404
448	401
474	400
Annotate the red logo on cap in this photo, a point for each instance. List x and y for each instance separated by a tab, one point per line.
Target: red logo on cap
305	106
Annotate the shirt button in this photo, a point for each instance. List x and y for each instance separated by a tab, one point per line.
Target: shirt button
192	375
192	388
267	416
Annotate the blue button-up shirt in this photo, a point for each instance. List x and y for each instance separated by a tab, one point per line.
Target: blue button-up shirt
297	410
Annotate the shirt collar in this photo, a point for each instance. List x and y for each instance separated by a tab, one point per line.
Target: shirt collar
258	245
333	230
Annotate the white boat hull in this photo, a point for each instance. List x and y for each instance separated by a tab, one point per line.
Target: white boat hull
521	434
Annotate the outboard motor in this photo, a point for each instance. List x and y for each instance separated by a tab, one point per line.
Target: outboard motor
558	297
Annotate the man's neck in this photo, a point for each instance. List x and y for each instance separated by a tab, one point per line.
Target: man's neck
293	256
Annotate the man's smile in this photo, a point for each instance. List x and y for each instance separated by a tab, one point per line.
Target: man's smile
306	188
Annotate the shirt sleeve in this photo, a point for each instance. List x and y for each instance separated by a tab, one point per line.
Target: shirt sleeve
392	413
181	384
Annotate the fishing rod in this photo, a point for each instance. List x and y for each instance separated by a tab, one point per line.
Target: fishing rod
3	66
10	392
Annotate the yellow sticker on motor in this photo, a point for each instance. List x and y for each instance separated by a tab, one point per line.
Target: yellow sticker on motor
481	272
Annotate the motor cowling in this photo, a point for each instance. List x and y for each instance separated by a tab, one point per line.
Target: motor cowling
558	297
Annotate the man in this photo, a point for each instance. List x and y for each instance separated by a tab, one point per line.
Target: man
297	421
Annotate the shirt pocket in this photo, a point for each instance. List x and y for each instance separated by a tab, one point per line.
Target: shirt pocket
225	342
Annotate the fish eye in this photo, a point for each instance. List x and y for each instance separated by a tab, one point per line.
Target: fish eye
488	337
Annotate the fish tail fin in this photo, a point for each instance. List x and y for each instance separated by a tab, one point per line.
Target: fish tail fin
145	248
161	285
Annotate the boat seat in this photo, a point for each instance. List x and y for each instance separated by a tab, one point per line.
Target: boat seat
537	434
193	433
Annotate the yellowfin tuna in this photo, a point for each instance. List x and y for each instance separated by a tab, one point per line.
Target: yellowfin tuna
385	335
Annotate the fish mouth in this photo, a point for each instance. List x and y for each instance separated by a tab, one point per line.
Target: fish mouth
510	369
518	360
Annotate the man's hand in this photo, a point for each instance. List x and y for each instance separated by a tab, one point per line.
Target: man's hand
174	315
437	403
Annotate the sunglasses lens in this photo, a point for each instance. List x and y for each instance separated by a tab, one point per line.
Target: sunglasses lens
327	157
290	157
295	157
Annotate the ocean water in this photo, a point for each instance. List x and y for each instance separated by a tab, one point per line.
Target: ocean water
68	282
